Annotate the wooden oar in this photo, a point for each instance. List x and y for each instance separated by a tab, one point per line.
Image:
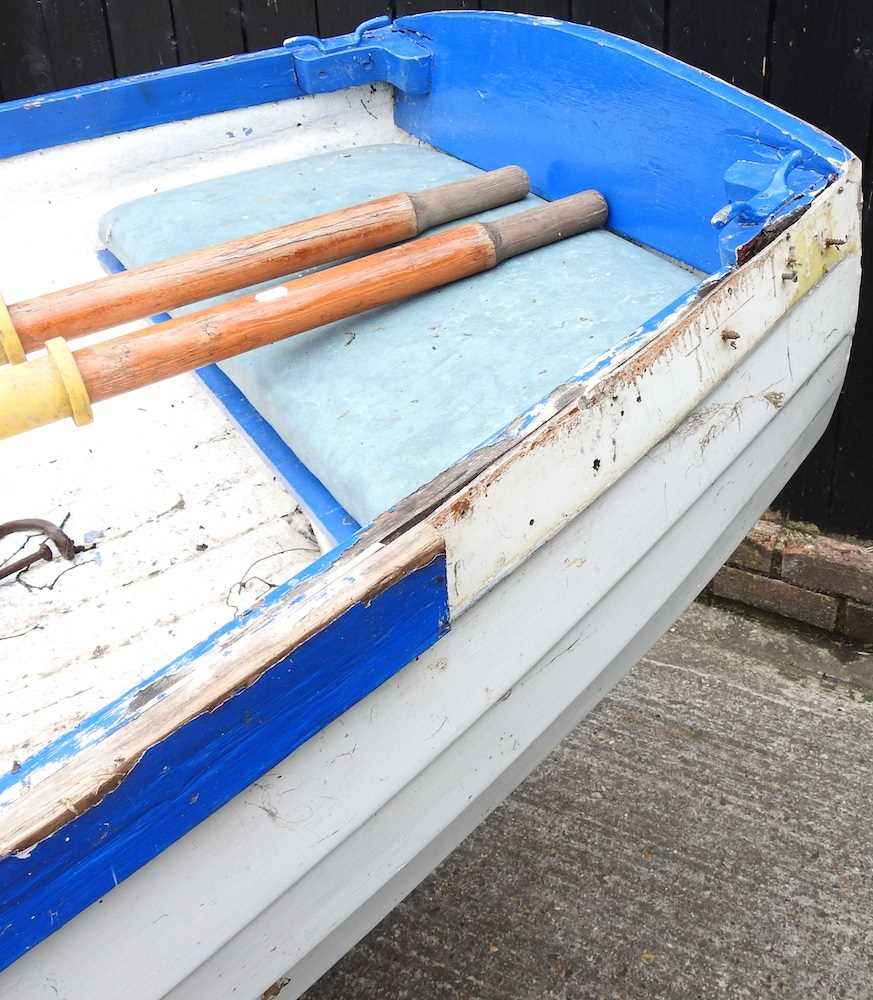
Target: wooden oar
65	383
226	267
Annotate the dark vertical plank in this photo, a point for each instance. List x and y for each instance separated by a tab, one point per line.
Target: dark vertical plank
821	69
851	498
207	29
25	64
822	65
642	20
78	42
727	40
337	18
267	23
541	8
142	35
402	7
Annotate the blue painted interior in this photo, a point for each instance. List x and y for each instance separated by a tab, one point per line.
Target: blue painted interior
378	405
318	502
197	769
578	108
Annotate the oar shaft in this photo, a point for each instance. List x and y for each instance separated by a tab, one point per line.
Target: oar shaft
146	356
179	281
64	383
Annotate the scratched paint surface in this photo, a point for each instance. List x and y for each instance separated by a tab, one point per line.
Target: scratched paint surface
48	917
146	593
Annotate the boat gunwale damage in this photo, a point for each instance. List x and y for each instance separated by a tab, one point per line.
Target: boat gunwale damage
365	568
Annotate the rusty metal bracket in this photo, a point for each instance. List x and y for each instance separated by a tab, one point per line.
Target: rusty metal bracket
66	547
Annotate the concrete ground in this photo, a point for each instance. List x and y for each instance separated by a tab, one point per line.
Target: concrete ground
706	833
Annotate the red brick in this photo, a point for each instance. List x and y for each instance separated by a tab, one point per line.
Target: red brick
858	622
775	595
829	565
755	551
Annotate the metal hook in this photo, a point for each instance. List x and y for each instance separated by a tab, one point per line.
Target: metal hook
67	548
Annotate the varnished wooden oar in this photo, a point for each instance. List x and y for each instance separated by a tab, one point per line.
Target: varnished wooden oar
226	267
65	383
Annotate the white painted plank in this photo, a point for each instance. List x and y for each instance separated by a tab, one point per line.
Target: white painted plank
149	590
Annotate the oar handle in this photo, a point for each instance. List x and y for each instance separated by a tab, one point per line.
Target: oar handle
460	199
557	220
249	260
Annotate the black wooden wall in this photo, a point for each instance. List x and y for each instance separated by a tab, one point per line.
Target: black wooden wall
813	57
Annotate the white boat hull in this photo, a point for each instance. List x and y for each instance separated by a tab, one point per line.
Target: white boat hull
286	877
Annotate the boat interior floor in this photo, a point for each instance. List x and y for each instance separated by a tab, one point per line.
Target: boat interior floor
377	405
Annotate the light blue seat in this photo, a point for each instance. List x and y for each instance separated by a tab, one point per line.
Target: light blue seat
379	404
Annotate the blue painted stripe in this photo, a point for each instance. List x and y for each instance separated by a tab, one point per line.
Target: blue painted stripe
316	499
197	769
123	710
150	99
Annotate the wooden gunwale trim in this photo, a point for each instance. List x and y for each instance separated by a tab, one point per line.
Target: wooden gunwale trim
234	663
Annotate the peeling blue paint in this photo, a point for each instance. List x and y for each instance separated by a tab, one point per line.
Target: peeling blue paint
121	712
201	766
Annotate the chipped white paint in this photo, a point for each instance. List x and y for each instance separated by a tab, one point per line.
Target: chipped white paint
525	497
179	508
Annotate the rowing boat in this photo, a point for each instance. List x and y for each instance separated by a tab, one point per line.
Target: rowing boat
483	501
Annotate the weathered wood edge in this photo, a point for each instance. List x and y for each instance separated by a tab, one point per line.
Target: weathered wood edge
201	684
629	358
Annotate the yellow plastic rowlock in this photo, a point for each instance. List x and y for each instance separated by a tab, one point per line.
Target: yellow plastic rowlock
43	390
